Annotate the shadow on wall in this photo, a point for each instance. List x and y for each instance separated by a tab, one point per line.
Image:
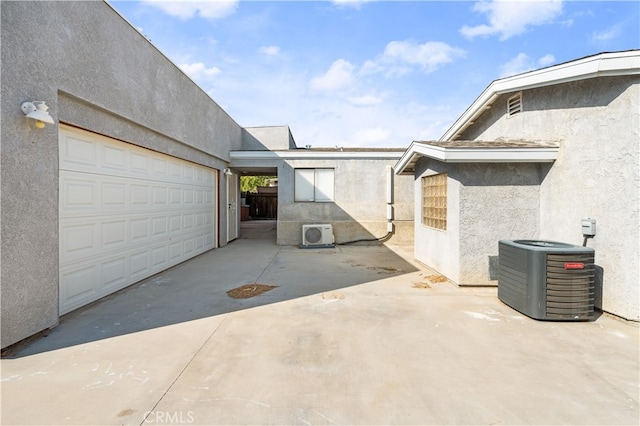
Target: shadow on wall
198	288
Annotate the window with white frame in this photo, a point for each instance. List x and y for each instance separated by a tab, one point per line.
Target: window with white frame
314	185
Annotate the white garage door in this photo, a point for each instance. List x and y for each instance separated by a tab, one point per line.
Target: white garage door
126	213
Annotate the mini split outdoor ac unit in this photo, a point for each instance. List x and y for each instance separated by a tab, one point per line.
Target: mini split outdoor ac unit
547	280
317	235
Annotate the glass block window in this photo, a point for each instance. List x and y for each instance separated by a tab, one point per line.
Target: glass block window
434	201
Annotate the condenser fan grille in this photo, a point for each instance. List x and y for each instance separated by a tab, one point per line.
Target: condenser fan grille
317	235
313	235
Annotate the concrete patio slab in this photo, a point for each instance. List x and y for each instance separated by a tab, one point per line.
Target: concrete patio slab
350	335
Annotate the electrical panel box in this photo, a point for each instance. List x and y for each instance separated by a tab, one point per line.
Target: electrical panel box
589	227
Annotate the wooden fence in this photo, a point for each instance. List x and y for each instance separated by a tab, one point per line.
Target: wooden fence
263	206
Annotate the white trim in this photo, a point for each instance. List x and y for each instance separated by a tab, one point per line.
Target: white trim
605	64
312	155
476	155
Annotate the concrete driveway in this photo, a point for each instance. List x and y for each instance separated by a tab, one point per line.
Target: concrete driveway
351	335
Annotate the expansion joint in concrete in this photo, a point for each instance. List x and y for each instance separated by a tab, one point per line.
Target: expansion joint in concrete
187	364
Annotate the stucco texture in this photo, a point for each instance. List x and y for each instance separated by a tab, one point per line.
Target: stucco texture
597	173
485	203
95	71
359	210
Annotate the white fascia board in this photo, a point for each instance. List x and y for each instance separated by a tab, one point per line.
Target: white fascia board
313	155
408	157
500	155
477	155
606	64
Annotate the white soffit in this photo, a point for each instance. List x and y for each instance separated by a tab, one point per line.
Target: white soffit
602	65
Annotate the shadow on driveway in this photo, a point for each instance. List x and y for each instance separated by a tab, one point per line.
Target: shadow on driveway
198	287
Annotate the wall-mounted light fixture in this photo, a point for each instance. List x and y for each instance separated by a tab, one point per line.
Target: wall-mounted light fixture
38	111
228	172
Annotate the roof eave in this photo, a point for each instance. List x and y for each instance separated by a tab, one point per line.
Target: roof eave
474	155
302	154
605	64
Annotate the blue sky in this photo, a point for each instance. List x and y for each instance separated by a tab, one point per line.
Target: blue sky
370	73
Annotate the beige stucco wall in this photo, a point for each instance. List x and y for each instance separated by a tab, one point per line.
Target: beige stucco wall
96	72
485	203
596	175
438	249
267	138
360	207
497	201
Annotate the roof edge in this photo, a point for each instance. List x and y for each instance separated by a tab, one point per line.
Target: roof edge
546	153
303	154
600	65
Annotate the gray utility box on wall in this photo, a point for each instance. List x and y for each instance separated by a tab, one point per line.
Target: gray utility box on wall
547	280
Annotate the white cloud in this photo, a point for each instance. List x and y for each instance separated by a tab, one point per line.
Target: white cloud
606	36
350	3
199	72
523	63
371	67
211	9
269	50
365	100
400	57
339	75
546	60
429	56
519	64
508	18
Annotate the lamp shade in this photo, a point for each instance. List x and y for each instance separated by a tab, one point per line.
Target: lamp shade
38	111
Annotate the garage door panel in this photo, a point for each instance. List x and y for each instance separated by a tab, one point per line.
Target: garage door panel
159	167
114	157
160	257
140	264
175	251
114	194
140	195
78	193
188	246
113	234
79	152
76	285
114	273
199	242
79	238
126	213
159	196
139	163
139	229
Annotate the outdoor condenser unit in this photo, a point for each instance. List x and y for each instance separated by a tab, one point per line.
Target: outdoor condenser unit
317	235
547	280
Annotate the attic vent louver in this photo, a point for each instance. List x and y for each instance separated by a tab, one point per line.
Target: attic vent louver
514	105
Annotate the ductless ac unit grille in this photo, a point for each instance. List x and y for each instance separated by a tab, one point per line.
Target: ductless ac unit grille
546	279
317	235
